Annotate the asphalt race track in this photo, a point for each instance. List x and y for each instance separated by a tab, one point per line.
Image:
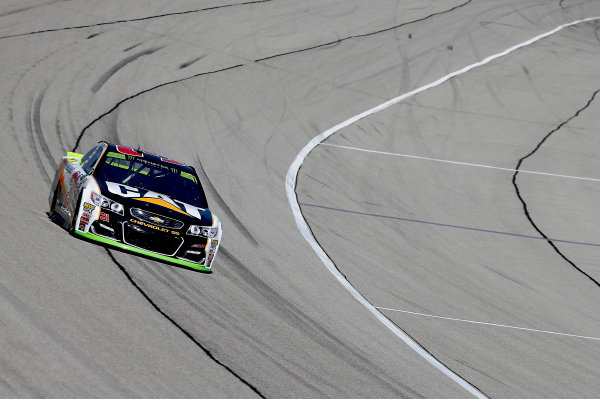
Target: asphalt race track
463	216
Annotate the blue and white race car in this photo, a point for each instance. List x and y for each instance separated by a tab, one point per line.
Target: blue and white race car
138	202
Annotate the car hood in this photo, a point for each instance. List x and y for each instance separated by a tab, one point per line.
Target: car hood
156	202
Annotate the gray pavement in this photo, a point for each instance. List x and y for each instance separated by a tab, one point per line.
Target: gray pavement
237	91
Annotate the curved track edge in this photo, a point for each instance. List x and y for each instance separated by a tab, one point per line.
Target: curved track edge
290	187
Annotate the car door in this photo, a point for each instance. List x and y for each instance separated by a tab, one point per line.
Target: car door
74	174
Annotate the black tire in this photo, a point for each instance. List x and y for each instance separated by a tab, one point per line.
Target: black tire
53	205
74	217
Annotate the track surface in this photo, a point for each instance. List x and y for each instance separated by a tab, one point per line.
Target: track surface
238	90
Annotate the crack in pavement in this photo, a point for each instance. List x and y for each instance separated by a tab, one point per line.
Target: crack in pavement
526	210
366	34
180	328
117	105
84	130
134	19
257	60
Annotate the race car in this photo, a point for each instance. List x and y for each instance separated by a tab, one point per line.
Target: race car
138	202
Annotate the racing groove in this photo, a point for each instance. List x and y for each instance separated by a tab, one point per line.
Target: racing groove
270	320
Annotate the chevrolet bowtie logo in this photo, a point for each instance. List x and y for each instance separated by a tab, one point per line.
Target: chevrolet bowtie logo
156	219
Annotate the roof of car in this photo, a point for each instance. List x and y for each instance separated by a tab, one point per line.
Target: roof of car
141	153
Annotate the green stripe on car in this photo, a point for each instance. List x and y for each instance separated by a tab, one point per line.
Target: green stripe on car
125	247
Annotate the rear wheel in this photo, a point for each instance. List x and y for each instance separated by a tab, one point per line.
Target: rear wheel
74	217
53	204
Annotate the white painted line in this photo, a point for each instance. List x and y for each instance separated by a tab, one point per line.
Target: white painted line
290	186
490	324
460	163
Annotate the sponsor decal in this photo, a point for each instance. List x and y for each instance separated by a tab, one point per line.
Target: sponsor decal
81	182
75	176
87	210
104	217
215	242
151	226
129	151
211	255
167	160
155	198
148	162
84	220
200	246
72	188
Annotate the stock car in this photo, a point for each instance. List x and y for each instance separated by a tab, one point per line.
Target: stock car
138	202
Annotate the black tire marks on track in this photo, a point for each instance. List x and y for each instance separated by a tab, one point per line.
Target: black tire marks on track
37	142
19	10
124	271
34	126
297	319
180	328
117	105
335	42
207	183
525	208
390	320
121	64
331	43
190	62
134	19
238	65
105	77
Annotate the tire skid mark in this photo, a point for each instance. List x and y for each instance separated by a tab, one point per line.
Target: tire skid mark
193	61
117	105
123	270
33	126
336	42
170	14
39	134
132	47
305	230
29	8
11	95
59	131
479	393
525	208
34	122
179	327
207	183
299	320
120	65
162	275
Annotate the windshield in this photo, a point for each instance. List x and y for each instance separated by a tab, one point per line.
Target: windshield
164	178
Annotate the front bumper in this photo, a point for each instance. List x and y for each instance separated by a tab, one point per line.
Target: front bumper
130	248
